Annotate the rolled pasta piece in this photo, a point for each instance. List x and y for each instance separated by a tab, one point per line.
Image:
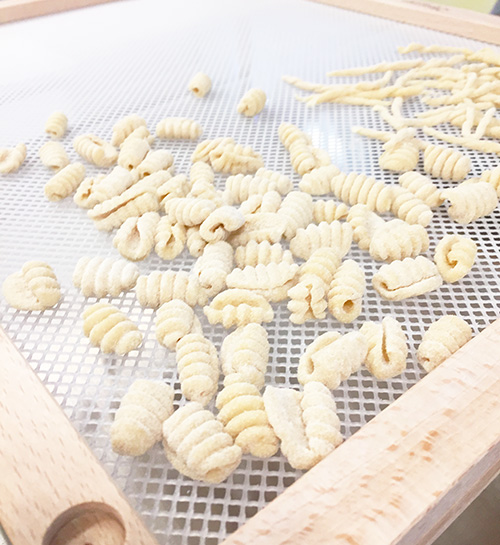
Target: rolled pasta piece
397	239
387	348
356	188
346	290
401	152
84	196
54	156
290	134
470	201
201	171
283	183
220	223
169	239
64	182
364	223
203	149
125	127
179	128
263	252
95	150
422	188
325	235
189	211
259	227
56	125
11	159
110	330
172	187
235	159
133	152
138	421
200	85
252	102
155	161
107	187
454	257
240	187
443	338
297	210
213	266
446	163
329	211
194	241
492	177
269	202
410	277
174	320
318	181
161	287
141	133
136	236
305	158
406	206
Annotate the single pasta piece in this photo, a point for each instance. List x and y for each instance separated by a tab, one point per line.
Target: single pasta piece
290	134
470	201
54	156
329	211
12	158
155	161
325	235
200	85
332	358
263	252
270	202
161	287
356	188
446	163
189	211
93	191
174	320
169	239
220	223
387	348
406	206
203	149
252	102
110	330
454	257
401	152
306	422
125	127
238	307
240	187
133	152
203	189
213	266
297	210
197	446
201	171
346	290
198	367
56	125
410	277
95	150
141	133
397	239
422	188
194	241
283	183
101	276
84	196
64	182
138	421
305	158
259	227
441	340
34	287
172	187
178	128
136	236
245	351
492	177
235	159
364	223
318	181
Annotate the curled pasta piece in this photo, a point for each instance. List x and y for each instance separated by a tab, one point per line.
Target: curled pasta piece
136	236
318	181
54	156
238	307
172	187
264	252
443	338
220	222
252	102
179	128
446	163
470	201
125	127
95	150
200	85
56	125
34	287
155	161
297	210
387	348
138	421
203	149
329	211
100	276
161	287
133	152
189	211
197	446
141	133
331	235
111	185
64	182
332	358
259	227
408	207
401	152
407	278
110	330
305	158
422	188
235	159
356	188
290	134
174	320
240	187
364	223
270	202
397	239
213	266
283	183
169	239
198	366
201	171
11	159
454	257
492	177
345	296
194	241
84	196
203	189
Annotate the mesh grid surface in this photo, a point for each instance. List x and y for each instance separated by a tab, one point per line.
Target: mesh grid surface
239	48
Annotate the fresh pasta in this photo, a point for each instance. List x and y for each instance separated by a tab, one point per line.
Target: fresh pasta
200	84
319	180
133	152
178	128
161	287
270	202
64	182
333	235
136	236
125	126
446	163
11	159
259	227
263	252
189	211
174	320
235	159
454	257
220	223
470	201
56	125
364	223
492	177
155	161
406	206
297	211
252	103
213	266
397	239
240	187
53	156
169	239
356	188
422	188
95	150
346	290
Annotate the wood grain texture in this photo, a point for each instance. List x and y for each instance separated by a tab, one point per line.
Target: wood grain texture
408	473
462	22
16	10
51	485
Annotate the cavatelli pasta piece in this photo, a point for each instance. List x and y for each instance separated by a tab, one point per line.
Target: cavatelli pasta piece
259	227
213	266
325	235
62	184
138	421
406	206
305	158
407	278
422	188
12	158
318	181
264	252
101	276
356	188
443	338
114	184
240	187
270	202
329	211
220	223
252	102
201	172
470	201
133	152
56	125
283	183
198	366
297	210
332	358
242	411
238	307
364	223
141	133
110	330
136	236
161	287
246	351
125	127
290	134
200	84
194	241
235	159
34	287
189	211
345	294
203	149
387	348
172	187
179	128
197	446
454	257
53	156
203	189
95	150
401	151
397	239
174	320
84	196
446	163
169	239
492	177
155	161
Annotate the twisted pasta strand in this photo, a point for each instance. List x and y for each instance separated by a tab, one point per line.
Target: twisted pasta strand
11	159
409	208
318	181
54	156
297	210
155	161
200	85
189	211
238	307
133	152
174	320
95	150
364	223
220	223
263	252
329	211
125	126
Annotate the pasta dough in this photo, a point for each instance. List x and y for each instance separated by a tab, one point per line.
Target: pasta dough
64	182
455	257
332	235
174	320
95	150
397	239
422	188
213	266
346	290
297	211
54	156
446	163
200	85
56	125
161	287
356	188
178	128
263	252
136	236
169	239
470	201
252	102
194	242
11	159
